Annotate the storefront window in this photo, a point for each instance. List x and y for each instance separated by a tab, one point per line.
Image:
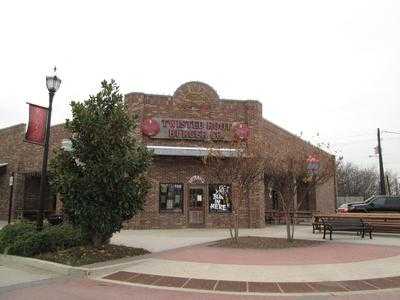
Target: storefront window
220	198
171	195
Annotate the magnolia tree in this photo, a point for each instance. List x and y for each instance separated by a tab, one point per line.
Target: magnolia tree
294	166
243	165
102	179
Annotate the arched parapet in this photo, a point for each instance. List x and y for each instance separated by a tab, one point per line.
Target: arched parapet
195	92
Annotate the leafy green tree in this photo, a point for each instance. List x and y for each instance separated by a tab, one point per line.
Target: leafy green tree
102	178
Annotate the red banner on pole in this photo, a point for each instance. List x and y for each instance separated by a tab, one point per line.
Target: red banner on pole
36	131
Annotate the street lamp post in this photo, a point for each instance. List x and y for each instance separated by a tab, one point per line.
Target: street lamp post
52	83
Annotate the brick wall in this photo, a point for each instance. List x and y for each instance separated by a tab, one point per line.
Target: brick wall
325	197
11	141
22	158
196	100
180	170
192	100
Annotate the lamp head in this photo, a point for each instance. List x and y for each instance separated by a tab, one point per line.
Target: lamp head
53	83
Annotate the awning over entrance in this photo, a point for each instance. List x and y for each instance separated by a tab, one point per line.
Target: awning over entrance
3	167
190	151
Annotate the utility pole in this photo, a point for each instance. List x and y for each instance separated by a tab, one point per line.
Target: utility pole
388	185
381	172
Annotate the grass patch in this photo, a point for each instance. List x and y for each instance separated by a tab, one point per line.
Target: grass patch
85	255
257	242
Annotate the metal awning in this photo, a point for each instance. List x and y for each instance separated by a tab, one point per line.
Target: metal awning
3	168
190	151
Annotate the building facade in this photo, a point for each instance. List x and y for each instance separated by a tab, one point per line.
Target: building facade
179	129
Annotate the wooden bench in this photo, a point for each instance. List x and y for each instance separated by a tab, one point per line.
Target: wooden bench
355	225
389	226
381	222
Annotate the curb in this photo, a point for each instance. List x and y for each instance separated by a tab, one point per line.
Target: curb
20	261
252	288
101	268
346	294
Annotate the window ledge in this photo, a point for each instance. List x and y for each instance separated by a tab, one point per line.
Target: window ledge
170	212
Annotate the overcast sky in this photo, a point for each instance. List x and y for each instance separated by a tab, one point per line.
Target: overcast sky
327	67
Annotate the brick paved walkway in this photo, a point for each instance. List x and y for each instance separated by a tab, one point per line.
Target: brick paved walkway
256	287
100	290
341	268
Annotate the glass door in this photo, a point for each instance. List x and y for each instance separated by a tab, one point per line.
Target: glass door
196	205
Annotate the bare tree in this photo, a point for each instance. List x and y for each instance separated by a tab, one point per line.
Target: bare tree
392	182
283	164
244	167
287	170
355	181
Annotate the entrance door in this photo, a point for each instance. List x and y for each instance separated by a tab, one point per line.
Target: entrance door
196	205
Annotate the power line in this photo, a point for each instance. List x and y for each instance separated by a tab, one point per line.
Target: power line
394	132
355	135
365	134
342	143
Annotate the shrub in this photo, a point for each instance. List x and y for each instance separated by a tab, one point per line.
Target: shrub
32	242
11	232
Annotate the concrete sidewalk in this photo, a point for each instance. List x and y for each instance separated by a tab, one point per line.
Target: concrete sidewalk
156	240
353	264
169	274
12	276
285	273
383	261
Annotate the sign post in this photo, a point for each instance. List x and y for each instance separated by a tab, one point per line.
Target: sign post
11	184
38	132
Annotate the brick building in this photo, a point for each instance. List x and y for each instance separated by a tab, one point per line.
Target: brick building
24	161
178	129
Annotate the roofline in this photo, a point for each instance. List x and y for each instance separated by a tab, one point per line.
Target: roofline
297	137
172	97
59	124
12	126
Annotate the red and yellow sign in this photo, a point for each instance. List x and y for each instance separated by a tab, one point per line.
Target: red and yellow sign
165	128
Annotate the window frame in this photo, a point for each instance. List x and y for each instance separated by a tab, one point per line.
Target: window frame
182	194
213	211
